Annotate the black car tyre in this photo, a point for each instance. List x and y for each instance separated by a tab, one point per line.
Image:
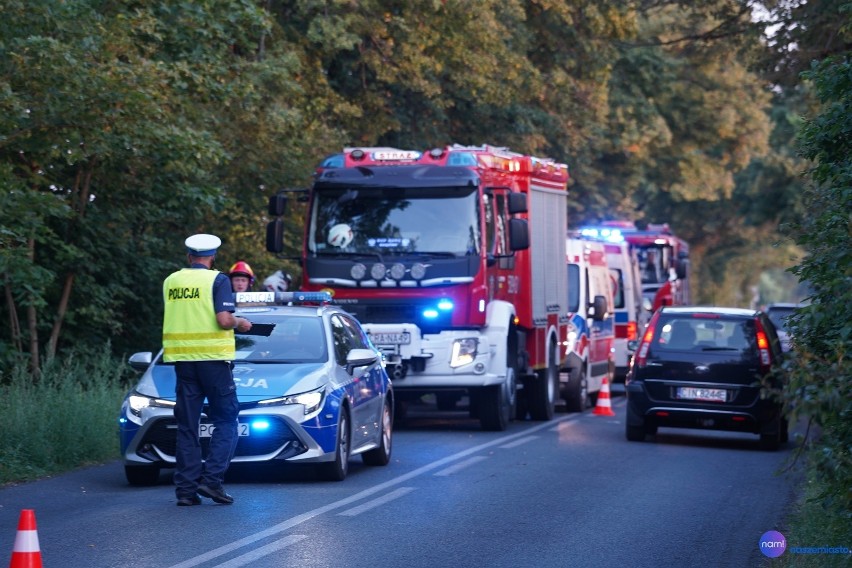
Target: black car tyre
770	439
381	454
142	475
635	433
337	469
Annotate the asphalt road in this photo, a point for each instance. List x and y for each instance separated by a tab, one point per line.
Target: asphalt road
569	492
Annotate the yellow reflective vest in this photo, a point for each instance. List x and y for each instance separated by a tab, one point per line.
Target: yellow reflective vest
190	329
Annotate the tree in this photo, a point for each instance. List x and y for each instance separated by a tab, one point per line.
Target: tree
821	384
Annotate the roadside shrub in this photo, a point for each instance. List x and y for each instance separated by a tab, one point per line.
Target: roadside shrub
64	419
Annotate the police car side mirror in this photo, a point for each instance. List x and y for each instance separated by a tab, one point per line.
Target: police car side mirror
632	345
141	361
360	358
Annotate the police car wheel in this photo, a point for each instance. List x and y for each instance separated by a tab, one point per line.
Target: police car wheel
337	469
381	455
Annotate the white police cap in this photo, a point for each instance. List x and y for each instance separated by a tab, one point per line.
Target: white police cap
202	244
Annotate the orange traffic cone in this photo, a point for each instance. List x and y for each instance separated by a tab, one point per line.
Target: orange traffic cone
604	406
26	553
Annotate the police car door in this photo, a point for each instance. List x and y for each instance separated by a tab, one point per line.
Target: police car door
364	388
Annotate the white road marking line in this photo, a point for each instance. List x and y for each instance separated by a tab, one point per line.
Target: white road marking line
376	502
304	517
265	550
519	442
460	466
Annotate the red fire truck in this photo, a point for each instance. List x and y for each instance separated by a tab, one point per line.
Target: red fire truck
663	259
454	261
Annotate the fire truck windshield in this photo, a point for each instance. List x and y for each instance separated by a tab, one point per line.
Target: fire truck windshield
389	221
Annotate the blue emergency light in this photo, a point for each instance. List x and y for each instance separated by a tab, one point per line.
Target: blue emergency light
444	305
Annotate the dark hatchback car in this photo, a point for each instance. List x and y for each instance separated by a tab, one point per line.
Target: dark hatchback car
707	367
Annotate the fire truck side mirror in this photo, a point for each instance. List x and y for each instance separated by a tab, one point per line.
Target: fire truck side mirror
517	203
275	236
519	234
681	268
277	204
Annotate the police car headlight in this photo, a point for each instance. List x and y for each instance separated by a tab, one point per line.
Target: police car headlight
311	400
137	402
464	351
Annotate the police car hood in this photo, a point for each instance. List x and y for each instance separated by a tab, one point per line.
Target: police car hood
254	381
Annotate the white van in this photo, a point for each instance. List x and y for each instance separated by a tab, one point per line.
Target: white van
589	354
631	314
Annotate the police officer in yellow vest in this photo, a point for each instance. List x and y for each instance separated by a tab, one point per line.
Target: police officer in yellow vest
198	337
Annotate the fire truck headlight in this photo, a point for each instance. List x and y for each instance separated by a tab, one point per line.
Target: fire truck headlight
464	351
418	270
397	271
358	271
378	271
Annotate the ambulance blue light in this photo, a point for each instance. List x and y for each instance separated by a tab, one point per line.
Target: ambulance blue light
430	313
445	305
260	425
603	234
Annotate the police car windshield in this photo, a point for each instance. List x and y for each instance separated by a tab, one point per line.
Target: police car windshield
294	339
395	221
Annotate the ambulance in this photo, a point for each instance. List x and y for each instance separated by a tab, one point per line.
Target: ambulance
589	352
631	311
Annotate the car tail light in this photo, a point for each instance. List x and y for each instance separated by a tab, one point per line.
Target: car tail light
645	345
763	349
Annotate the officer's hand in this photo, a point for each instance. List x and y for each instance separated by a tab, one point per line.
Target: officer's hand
243	324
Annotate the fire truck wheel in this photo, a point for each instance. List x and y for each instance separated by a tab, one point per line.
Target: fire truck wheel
493	410
545	389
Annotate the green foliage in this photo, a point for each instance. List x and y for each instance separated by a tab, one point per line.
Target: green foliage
65	419
821	385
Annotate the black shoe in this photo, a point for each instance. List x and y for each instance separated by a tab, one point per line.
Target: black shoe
189	501
218	495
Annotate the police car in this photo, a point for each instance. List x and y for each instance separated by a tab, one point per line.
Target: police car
312	389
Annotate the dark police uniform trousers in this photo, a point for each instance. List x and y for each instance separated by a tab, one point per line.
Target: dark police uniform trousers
197	380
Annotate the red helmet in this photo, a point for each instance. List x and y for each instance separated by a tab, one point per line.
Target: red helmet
242	268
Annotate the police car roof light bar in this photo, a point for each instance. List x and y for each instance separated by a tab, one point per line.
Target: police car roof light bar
280	298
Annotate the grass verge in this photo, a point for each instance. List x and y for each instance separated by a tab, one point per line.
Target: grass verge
65	419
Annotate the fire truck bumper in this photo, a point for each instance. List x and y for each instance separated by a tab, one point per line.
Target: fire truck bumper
449	359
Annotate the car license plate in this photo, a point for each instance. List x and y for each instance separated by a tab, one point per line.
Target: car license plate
403	338
206	430
693	393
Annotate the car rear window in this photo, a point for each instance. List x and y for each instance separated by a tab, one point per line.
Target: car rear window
687	333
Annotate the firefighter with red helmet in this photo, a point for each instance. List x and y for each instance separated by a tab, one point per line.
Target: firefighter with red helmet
242	276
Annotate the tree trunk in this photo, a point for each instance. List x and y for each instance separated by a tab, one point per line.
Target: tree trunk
32	320
60	314
14	323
